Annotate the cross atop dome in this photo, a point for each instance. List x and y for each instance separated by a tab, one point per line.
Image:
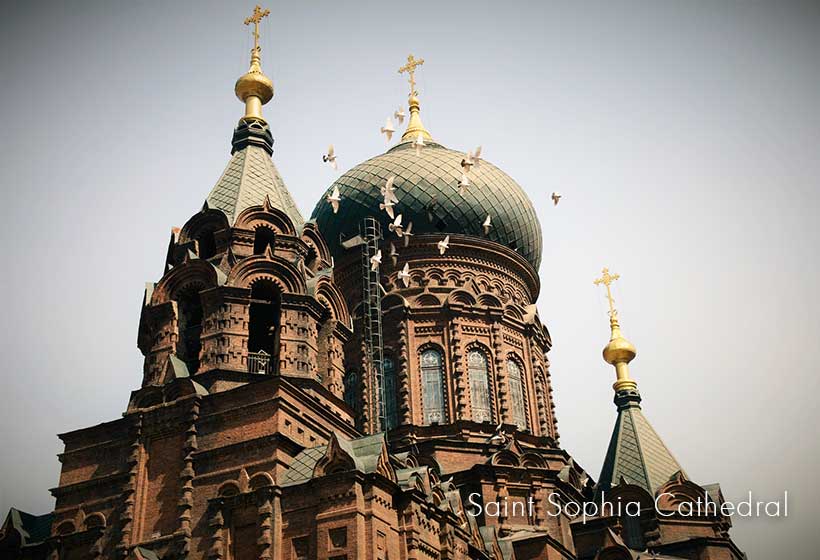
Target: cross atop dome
414	124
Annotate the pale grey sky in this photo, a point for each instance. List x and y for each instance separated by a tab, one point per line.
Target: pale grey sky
683	135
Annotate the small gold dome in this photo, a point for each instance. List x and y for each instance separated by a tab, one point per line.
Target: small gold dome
256	84
618	350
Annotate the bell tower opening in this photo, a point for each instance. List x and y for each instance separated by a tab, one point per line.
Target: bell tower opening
189	307
264	325
263	238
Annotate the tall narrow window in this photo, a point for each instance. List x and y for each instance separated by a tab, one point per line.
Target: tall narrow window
391	413
207	244
518	408
432	379
189	324
262	239
479	386
351	394
263	328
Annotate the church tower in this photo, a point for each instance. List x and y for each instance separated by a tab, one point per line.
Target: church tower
675	518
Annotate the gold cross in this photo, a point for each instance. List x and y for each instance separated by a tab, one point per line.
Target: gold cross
410	68
255	18
606	279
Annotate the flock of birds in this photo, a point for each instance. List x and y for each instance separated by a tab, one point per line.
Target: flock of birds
390	200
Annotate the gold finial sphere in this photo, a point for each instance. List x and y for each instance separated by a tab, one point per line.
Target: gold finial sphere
253	88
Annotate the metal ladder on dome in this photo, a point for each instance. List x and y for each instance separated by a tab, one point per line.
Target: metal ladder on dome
372	322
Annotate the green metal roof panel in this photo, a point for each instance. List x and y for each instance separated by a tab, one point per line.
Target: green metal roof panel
636	453
427	187
249	177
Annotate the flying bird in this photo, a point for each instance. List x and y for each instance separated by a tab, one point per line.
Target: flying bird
407	234
487	225
394	254
388	129
387	189
443	245
334	198
477	156
396	226
404	275
419	143
330	157
376	260
467	162
499	437
556	196
390	198
463	184
399	115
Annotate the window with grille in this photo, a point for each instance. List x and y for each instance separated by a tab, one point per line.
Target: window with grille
479	386
432	376
517	401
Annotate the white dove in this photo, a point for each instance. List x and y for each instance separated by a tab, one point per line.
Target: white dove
477	156
404	275
463	184
467	162
396	226
376	260
407	234
394	254
487	225
388	191
330	157
556	196
334	198
499	437
419	143
388	129
443	245
399	115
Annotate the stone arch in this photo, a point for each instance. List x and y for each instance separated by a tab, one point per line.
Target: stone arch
393	300
328	293
505	457
197	272
260	480
228	488
273	268
488	300
427	300
207	219
515	311
267	215
462	297
94	521
311	235
151	396
65	528
533	460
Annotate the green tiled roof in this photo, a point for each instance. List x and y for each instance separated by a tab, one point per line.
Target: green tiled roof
32	528
636	452
249	177
428	184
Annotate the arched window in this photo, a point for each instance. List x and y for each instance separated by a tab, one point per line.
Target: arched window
189	325
263	328
262	239
391	413
479	386
517	401
432	380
